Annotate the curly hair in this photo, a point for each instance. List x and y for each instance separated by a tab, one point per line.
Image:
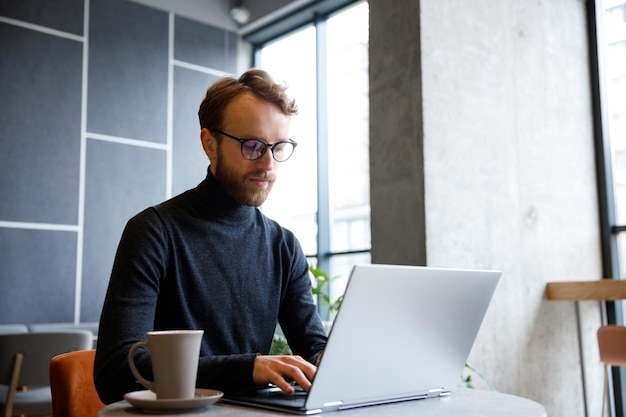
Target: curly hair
223	91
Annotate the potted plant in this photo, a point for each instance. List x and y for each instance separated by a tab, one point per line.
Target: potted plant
319	284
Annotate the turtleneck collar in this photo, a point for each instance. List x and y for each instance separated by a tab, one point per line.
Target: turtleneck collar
219	202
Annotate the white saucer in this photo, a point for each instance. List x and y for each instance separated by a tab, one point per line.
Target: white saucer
147	400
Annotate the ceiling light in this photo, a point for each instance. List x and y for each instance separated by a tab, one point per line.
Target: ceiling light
240	14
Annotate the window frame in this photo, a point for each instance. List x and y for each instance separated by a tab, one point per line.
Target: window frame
316	15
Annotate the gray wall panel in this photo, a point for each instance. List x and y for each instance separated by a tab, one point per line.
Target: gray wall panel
64	15
128	67
38	276
189	162
121	180
40	86
205	45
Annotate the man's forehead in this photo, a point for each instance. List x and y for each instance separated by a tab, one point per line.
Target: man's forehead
251	109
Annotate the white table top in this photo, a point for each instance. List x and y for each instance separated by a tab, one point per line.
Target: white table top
462	402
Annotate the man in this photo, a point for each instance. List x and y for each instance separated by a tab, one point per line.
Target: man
209	259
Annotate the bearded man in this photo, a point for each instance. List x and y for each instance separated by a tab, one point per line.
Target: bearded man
209	259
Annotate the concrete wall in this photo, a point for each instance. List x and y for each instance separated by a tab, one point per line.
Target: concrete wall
481	143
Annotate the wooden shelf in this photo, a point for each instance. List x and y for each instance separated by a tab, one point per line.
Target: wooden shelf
604	289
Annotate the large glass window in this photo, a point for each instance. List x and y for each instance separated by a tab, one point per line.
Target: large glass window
293	200
613	62
611	33
322	194
610	105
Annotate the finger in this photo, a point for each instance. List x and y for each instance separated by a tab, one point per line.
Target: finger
282	383
299	370
306	368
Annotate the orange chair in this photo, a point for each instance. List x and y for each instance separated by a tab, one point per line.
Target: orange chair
612	346
71	381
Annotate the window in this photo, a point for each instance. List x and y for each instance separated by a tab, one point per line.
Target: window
614	63
322	193
608	18
611	37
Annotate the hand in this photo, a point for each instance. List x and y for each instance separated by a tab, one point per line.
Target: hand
278	370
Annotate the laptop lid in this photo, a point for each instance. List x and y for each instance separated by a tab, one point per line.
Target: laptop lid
402	332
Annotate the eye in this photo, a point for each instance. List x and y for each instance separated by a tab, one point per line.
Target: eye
280	147
252	145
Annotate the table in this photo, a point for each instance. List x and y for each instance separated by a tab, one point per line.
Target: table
601	290
462	402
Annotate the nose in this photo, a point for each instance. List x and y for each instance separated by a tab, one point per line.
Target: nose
267	161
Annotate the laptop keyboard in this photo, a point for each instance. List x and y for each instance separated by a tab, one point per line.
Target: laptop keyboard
277	396
276	392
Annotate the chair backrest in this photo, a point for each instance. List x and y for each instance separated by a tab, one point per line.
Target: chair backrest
37	349
73	390
13	328
61	327
612	345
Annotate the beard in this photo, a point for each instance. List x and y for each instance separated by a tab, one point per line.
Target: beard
241	189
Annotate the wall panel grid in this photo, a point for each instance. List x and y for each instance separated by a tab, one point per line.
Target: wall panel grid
98	121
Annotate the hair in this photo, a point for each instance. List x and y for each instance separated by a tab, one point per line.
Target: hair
223	91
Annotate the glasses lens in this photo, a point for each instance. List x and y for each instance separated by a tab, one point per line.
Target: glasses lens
282	151
253	149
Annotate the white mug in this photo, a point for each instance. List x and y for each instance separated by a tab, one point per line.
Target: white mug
175	355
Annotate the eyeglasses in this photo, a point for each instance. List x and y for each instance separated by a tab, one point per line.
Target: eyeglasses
253	149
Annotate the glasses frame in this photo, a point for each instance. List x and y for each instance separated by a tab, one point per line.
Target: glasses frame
265	146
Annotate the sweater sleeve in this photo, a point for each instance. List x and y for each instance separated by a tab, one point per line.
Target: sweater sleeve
129	306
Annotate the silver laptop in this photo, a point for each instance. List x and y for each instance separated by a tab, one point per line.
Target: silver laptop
402	333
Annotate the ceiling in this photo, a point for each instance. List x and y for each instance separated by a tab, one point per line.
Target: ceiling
216	12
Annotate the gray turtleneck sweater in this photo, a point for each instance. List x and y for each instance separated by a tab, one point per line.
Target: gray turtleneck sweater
203	261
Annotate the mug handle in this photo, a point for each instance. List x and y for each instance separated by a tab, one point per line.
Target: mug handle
133	368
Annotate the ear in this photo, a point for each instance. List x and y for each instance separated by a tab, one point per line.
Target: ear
209	143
